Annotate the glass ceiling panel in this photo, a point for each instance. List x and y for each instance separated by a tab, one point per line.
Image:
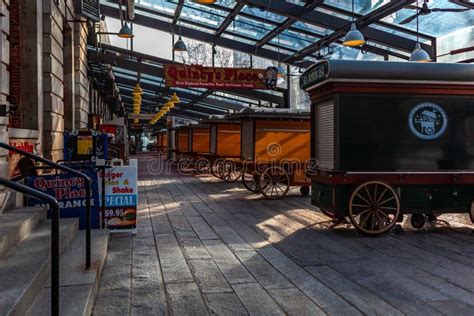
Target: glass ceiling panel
251	28
271	17
360	6
435	23
293	40
163	6
203	14
227	3
310	27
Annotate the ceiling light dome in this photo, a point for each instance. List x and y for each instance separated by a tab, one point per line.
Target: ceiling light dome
419	54
180	46
354	37
125	31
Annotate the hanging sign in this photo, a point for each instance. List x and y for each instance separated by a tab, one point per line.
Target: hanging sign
70	191
212	77
314	75
121	198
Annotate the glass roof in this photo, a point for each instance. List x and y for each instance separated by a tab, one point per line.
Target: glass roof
435	23
267	31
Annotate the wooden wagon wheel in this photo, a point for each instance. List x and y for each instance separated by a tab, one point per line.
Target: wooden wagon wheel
216	168
229	171
374	207
251	181
202	166
274	183
184	165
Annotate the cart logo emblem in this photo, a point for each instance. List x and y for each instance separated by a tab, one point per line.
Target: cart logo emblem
428	121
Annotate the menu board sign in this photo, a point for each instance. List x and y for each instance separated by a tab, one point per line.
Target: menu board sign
214	78
315	74
121	198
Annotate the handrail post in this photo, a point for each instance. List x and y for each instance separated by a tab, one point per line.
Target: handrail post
54	260
88	224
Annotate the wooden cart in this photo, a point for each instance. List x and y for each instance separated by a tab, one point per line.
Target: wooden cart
391	138
274	151
162	142
224	150
199	144
181	146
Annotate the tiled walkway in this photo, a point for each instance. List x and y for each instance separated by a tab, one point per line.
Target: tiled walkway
205	246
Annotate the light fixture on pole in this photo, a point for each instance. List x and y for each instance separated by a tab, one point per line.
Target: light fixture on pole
125	31
180	46
419	54
354	37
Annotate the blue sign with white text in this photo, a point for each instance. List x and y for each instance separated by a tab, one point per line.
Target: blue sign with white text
70	191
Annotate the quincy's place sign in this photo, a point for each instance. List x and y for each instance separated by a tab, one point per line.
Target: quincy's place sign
213	77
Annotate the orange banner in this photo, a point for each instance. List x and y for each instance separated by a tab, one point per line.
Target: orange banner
187	76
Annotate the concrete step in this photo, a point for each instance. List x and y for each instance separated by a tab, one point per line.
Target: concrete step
78	286
26	267
17	224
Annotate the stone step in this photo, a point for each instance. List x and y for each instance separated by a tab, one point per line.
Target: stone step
26	267
78	286
17	224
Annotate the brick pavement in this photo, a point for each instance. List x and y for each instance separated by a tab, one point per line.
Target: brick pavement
208	247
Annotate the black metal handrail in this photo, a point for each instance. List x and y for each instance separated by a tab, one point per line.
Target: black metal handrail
71	171
54	206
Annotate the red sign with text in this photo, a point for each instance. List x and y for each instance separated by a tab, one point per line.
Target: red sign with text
187	76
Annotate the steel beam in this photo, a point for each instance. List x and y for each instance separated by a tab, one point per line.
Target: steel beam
110	56
177	11
328	21
148	21
287	23
229	19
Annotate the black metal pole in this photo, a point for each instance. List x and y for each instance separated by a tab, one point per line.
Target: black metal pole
103	193
54	259
88	225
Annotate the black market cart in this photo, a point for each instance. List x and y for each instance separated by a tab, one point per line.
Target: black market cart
224	150
391	138
274	150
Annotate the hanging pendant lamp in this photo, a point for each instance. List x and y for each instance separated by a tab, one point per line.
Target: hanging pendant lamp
354	37
180	46
419	54
125	31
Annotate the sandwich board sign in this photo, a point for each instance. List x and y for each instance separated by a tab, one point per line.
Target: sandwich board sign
121	198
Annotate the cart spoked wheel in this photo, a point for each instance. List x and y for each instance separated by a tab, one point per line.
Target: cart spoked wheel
417	221
184	165
274	183
202	166
229	171
216	168
374	207
304	190
251	182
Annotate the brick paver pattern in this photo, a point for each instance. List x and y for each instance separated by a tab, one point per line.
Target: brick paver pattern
209	247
